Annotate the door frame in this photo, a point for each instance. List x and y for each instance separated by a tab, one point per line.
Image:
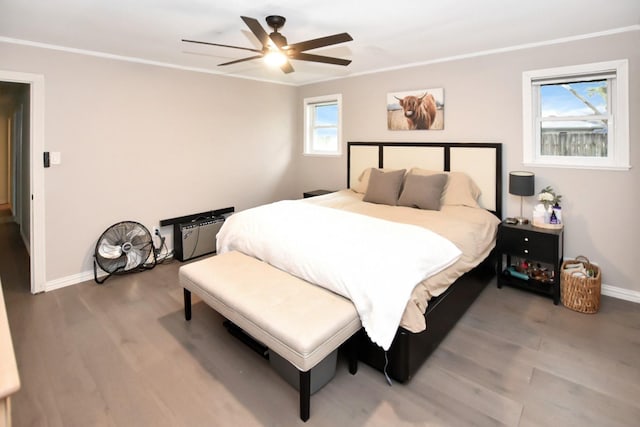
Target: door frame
36	174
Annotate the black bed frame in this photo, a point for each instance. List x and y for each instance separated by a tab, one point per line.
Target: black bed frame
409	350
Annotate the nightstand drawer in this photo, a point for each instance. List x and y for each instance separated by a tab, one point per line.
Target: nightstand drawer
528	244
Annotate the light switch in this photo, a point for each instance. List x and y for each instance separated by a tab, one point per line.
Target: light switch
56	158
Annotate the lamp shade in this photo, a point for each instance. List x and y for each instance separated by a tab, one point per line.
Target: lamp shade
521	183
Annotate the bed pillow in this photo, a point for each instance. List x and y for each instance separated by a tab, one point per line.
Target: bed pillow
362	183
460	189
384	187
423	191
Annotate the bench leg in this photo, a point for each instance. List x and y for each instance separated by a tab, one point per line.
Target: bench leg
305	394
187	304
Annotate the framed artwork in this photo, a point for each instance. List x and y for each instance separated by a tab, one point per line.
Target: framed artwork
421	109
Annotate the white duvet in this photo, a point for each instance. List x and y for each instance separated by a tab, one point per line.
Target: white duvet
373	262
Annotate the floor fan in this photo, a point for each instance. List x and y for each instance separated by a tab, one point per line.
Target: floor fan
125	247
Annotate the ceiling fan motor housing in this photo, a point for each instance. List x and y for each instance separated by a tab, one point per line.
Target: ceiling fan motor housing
278	39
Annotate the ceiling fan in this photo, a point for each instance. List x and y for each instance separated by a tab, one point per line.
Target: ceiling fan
276	50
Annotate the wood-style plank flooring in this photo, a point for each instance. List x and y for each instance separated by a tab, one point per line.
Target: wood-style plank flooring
5	213
121	354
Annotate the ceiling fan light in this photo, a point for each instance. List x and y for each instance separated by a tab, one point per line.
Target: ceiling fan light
275	58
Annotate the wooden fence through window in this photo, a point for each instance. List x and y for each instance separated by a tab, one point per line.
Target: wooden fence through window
573	142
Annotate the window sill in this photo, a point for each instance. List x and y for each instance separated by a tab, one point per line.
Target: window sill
322	154
568	166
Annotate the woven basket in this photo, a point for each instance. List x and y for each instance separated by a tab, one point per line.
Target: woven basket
579	292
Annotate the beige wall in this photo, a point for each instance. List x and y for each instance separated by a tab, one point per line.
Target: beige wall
145	143
484	103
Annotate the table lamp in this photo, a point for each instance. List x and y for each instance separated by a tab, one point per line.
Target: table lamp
521	183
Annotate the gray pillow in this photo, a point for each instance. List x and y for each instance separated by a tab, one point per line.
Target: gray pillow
423	191
384	187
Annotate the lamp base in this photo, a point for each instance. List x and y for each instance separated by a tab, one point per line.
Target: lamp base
522	220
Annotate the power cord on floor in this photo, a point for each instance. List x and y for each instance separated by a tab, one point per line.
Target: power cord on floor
386	363
160	257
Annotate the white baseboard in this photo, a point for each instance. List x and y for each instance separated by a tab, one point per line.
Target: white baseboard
69	280
79	278
621	293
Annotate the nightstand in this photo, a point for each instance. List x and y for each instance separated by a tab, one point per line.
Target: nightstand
535	247
315	193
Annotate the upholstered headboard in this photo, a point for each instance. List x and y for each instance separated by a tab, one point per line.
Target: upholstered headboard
481	161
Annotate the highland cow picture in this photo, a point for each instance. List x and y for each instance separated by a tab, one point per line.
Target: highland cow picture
416	110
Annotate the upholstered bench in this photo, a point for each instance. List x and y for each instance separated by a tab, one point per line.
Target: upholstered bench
301	322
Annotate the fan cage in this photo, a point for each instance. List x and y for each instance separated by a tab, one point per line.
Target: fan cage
124	247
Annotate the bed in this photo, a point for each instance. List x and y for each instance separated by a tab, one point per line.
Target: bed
469	174
483	163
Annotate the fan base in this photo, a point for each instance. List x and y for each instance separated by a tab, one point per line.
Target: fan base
275	21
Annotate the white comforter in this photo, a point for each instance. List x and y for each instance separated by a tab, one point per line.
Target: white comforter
373	262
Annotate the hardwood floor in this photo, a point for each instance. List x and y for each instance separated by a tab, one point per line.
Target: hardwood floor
121	354
5	213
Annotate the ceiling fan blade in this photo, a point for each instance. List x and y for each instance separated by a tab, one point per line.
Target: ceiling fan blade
257	30
319	58
222	45
287	67
321	42
241	60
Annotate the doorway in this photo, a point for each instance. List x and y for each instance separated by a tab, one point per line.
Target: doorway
21	175
12	99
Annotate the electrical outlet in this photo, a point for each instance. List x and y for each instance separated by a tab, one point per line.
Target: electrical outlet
156	231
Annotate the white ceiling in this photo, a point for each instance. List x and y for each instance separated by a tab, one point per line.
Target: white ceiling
387	33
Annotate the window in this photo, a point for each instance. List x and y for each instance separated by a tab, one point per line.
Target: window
323	125
577	116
